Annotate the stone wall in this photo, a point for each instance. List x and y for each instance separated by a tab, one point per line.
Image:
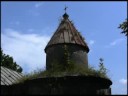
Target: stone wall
61	85
55	54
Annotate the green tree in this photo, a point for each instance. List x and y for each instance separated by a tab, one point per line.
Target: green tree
7	61
102	69
124	27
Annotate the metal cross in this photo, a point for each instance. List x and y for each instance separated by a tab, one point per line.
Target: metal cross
65	8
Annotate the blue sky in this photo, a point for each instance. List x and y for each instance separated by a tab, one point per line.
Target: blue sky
26	27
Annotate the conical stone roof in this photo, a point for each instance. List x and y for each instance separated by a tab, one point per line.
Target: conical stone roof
67	33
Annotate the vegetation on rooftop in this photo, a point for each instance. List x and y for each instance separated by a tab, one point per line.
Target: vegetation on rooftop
71	69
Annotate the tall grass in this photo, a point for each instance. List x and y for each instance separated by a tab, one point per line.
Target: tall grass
59	70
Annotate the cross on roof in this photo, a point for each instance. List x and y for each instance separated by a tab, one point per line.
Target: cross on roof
65	8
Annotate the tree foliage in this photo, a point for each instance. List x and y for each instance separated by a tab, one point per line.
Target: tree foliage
7	61
124	28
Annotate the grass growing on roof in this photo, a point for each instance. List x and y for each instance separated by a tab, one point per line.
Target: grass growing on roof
69	69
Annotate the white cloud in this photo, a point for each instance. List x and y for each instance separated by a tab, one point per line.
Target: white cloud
118	87
91	42
123	81
115	42
26	49
37	5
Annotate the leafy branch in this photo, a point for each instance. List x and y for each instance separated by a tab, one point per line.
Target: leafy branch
124	27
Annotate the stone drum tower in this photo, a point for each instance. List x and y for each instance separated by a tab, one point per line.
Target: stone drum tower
65	49
66	37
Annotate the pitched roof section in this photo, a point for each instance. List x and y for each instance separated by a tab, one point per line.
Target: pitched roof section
9	77
67	33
